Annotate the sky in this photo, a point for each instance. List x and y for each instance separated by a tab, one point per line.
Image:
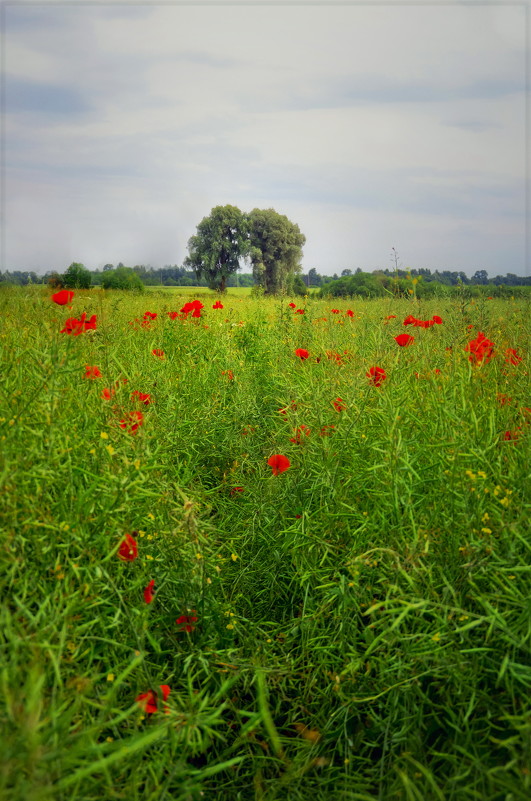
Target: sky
370	126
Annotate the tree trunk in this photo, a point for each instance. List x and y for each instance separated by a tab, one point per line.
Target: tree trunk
222	284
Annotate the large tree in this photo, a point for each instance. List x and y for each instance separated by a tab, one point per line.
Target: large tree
275	249
219	244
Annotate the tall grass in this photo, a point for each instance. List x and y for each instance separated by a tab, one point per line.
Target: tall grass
363	620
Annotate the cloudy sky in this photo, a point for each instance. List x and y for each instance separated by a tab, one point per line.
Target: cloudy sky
370	126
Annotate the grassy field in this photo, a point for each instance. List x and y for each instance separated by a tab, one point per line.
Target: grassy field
356	627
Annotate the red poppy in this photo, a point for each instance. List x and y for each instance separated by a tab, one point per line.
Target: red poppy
173	315
349	313
377	375
299	311
148	701
335	311
248	430
334	357
149	592
76	327
158	352
404	340
142	397
503	399
410	320
286	409
107	393
326	431
185	622
133	423
229	374
480	349
150	315
302	353
339	405
128	550
92	372
299	431
436	319
291	305
236	490
511	356
193	306
391	317
217	305
278	463
512	436
63	297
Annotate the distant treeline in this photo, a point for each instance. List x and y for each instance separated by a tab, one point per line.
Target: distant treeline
422	282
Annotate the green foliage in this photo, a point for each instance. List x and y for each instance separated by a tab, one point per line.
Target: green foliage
122	278
219	244
76	277
363	618
365	285
276	249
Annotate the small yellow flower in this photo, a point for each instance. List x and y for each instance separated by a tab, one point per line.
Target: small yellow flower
137	465
505	502
486	531
110	450
436	637
104	435
92	451
149	557
229	626
485	517
234	557
199	556
150	516
482	474
110	676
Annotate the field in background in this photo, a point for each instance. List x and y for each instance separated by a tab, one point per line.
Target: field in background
356	627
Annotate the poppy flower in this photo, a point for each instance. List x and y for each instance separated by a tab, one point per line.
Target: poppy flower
511	356
173	315
133	423
291	305
128	550
193	306
185	622
326	431
148	701
63	297
217	305
404	340
349	313
390	317
248	430
92	372
512	436
302	353
149	592
142	397
480	349
150	315
410	320
503	399
236	490
278	463
339	405
229	374
158	352
76	327
107	393
334	311
286	409
436	319
299	431
300	311
377	375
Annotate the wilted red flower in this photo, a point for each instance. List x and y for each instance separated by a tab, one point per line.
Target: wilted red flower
248	430
391	317
133	423
229	374
334	311
377	375
511	356
299	431
107	393
158	352
193	306
292	407
128	550
142	397
217	305
63	297
503	399
235	490
278	463
148	701
349	313
76	327
480	349
92	372
512	436
436	319
291	305
326	431
404	340
185	622
149	592
339	405
302	353
173	315
334	357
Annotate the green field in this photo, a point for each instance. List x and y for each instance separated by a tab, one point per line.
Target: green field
356	627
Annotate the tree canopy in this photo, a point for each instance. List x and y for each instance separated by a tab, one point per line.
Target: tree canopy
76	277
219	244
275	249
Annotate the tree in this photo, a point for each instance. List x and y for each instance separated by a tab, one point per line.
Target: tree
76	277
108	267
346	272
480	277
314	278
122	278
219	244
275	249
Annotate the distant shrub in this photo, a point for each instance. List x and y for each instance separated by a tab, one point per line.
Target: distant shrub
122	278
76	277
